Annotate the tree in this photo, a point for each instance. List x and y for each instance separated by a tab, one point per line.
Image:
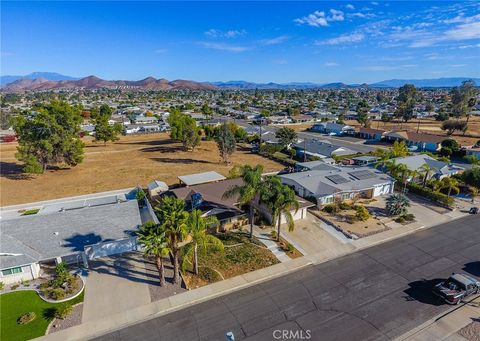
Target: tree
197	229
362	213
362	112
406	100
473	192
472	176
464	98
49	137
382	159
281	200
399	149
226	142
425	169
248	191
103	130
286	136
173	220
152	238
450	184
451	126
184	129
397	204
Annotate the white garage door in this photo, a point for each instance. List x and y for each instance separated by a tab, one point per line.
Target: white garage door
111	248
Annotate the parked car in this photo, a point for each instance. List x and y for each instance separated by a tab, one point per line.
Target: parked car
473	210
456	288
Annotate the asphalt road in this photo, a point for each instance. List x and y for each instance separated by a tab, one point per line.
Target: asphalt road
375	294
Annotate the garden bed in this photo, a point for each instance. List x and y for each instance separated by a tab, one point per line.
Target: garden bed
51	292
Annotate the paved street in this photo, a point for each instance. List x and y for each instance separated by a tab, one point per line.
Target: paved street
375	294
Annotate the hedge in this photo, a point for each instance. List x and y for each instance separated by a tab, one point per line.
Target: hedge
430	194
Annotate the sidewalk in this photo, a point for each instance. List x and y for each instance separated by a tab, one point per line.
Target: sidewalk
451	326
265	239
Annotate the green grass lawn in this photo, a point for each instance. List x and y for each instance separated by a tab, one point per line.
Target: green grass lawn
14	304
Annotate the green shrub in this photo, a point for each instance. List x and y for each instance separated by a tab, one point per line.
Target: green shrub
209	275
330	208
14	286
273	234
289	247
344	206
430	194
2	285
409	217
63	311
26	318
362	213
32	211
57	293
400	220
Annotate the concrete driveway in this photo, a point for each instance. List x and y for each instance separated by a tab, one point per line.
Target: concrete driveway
114	284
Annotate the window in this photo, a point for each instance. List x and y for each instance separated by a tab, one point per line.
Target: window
328	200
345	196
11	271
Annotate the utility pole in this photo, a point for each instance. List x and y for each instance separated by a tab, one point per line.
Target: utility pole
304	150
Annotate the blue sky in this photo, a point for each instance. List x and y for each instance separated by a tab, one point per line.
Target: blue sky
349	41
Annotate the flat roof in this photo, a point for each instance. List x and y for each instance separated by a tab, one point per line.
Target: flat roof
200	178
46	236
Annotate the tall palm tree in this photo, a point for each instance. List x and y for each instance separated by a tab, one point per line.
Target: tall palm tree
473	192
425	169
392	167
154	243
382	161
281	200
451	184
173	220
197	229
248	191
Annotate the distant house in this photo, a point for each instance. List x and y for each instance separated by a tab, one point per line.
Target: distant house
364	160
302	119
331	127
473	152
439	171
371	134
321	149
341	182
422	141
141	119
313	165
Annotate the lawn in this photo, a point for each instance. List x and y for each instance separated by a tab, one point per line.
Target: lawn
241	256
14	304
131	161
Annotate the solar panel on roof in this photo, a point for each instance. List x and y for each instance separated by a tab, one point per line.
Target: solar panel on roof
362	175
337	179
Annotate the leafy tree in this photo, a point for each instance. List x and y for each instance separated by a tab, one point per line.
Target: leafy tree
451	126
442	115
49	137
425	169
362	112
248	191
184	129
286	136
399	149
464	98
450	184
103	130
197	229
191	135
397	204
226	142
281	200
406	100
152	238
473	192
173	221
472	176
472	159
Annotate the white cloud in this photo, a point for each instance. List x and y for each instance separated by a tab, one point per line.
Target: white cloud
374	3
330	64
315	19
343	39
280	61
350	6
214	33
469	46
224	47
459	65
274	41
459	33
336	15
461	19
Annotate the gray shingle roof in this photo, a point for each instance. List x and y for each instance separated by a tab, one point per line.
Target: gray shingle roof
35	237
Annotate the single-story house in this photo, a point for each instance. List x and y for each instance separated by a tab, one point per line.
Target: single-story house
156	188
313	165
422	141
439	171
364	160
342	182
322	149
72	232
200	178
332	127
371	134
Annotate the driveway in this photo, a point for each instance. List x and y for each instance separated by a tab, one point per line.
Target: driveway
114	284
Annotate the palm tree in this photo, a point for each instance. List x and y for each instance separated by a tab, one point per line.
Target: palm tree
382	161
392	167
173	220
426	170
396	204
435	184
154	243
248	191
281	200
473	192
197	229
451	184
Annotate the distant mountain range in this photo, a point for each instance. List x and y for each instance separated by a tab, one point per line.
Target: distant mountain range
51	81
92	82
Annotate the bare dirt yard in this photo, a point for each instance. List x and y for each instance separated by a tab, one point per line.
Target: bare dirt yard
131	161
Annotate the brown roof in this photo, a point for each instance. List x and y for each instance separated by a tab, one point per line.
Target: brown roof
420	137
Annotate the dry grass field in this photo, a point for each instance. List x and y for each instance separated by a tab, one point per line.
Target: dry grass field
131	161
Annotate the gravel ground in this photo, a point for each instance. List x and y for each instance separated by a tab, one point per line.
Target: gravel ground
472	331
74	319
156	291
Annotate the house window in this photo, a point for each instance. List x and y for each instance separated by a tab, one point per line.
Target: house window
345	196
11	271
328	200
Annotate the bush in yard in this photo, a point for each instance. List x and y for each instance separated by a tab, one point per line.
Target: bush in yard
330	208
209	275
430	194
26	318
56	294
409	217
344	206
362	213
63	311
289	247
14	286
397	204
2	285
